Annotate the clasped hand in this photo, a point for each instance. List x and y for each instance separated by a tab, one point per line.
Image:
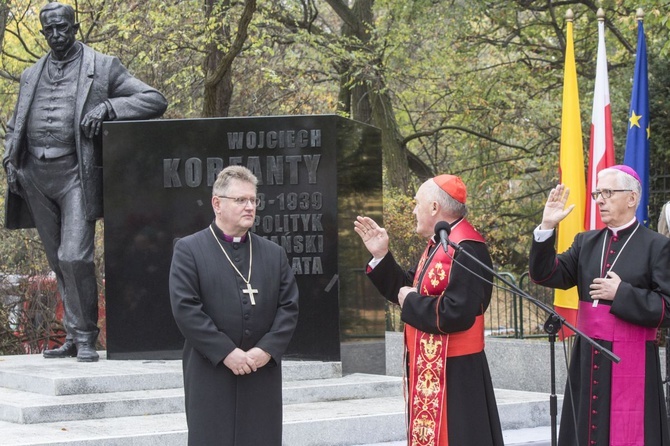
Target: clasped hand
243	363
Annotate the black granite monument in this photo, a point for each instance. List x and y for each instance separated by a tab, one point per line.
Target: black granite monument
316	173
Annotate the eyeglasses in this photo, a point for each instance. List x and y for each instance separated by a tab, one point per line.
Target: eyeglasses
607	193
242	201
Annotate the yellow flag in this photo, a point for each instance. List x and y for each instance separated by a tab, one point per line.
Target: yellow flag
571	170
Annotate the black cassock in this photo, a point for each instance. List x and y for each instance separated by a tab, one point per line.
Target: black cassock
215	317
641	299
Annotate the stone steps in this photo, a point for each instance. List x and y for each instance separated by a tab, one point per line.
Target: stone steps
333	423
22	407
32	373
138	403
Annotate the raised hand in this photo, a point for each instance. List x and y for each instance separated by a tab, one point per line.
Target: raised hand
375	238
554	209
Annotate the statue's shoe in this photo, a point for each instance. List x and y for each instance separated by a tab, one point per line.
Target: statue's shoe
67	350
86	352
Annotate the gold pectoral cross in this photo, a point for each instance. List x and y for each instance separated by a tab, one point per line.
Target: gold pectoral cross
250	291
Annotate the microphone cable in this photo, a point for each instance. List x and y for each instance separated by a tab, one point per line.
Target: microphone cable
541	305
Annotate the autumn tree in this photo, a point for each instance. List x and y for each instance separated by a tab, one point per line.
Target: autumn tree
474	89
223	47
471	88
4	12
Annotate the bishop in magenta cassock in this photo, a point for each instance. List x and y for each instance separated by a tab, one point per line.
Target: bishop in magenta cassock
450	394
622	274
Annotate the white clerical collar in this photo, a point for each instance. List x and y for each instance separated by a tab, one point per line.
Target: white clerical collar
455	223
228	238
627	225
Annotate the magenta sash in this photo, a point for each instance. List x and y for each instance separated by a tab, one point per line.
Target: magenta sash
628	376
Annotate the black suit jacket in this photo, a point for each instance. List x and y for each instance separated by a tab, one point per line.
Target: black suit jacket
101	78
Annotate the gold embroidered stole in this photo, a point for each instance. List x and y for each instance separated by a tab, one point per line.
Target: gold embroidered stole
427	353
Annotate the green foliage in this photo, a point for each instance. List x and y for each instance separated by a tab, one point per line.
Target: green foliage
404	243
475	88
400	224
659	97
478	93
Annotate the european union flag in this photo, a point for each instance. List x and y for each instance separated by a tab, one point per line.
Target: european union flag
637	139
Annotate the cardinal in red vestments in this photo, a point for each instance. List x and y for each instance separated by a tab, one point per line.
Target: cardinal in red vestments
443	300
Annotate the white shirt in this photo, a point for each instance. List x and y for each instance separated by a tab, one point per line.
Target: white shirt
542	235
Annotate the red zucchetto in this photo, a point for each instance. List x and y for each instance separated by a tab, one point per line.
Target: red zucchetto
452	185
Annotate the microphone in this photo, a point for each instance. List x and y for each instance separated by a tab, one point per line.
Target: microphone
442	231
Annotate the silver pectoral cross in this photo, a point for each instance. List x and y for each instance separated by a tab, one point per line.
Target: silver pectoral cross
250	291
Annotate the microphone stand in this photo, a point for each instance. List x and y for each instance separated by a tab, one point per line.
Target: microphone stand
553	325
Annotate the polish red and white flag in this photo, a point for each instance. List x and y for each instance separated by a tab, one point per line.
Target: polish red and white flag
601	145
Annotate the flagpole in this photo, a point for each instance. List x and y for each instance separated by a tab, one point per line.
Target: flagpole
571	173
601	144
636	154
571	168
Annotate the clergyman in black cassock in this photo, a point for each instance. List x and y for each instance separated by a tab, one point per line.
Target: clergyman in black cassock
622	274
235	300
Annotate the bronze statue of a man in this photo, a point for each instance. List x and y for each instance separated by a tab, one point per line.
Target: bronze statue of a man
53	161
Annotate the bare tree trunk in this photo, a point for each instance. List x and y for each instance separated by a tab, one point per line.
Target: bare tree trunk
369	101
218	65
360	107
4	12
394	154
217	96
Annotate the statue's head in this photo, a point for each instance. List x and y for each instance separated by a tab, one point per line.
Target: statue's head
59	27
